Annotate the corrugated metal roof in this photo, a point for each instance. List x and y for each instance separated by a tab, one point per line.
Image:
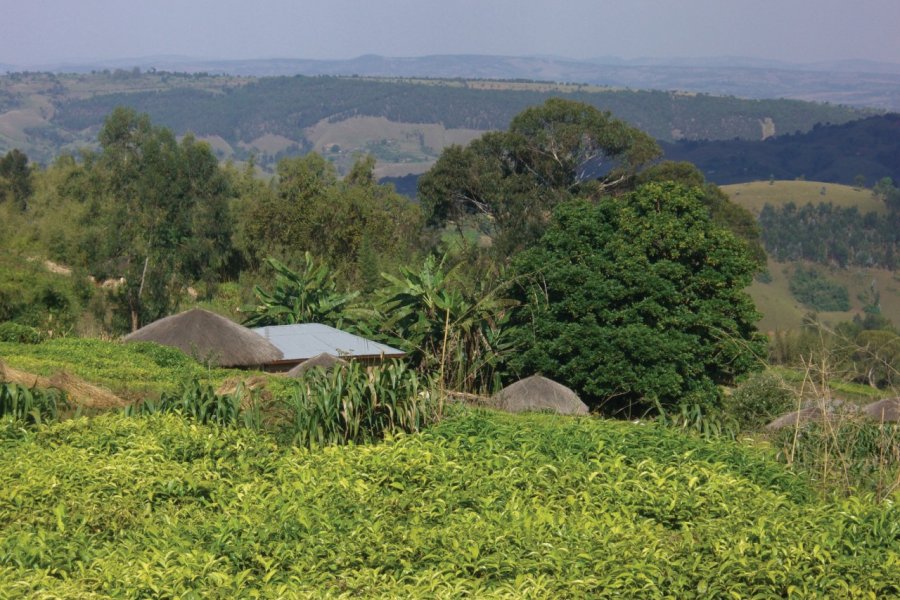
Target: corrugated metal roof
306	340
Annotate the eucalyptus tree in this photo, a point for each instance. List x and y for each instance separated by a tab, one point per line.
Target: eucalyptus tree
513	179
165	213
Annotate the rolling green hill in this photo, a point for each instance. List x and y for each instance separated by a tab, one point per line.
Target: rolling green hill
782	312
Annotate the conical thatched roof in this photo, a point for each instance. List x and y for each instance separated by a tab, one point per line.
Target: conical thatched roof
209	338
814	411
883	410
539	393
325	361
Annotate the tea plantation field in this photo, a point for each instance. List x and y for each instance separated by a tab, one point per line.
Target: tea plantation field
482	505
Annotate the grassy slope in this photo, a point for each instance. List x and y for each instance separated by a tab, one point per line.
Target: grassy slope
754	195
130	370
483	505
780	310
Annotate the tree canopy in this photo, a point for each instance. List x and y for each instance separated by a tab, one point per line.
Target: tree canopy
549	154
637	300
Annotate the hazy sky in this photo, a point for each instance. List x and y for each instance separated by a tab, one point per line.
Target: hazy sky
34	32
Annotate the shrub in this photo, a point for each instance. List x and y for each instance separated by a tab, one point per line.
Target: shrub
813	290
19	334
355	405
758	400
197	401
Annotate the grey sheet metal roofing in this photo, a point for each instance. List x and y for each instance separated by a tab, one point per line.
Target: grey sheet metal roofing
306	340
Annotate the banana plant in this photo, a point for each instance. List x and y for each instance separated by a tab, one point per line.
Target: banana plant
309	295
447	329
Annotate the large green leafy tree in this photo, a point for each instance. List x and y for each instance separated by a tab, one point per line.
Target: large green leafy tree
355	225
164	218
637	301
550	153
15	178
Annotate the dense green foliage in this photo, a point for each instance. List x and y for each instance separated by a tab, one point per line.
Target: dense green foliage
637	301
21	334
33	297
848	454
159	223
306	296
351	404
815	291
198	401
827	234
355	225
758	400
513	179
136	367
483	505
449	326
30	405
15	178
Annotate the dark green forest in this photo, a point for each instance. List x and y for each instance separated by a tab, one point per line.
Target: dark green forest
287	105
827	234
868	149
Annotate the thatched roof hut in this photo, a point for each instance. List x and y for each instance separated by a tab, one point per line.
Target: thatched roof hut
540	394
210	338
323	361
884	410
813	412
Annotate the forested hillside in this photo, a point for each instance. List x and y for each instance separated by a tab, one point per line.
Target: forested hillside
868	148
271	117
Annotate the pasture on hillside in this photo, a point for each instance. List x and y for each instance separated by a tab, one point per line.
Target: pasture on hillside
756	194
782	312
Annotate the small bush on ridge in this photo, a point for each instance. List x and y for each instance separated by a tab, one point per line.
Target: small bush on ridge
19	334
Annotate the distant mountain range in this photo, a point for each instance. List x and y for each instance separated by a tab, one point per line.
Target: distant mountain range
850	82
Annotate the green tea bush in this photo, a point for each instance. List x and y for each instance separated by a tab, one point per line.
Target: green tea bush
482	505
19	334
354	404
139	367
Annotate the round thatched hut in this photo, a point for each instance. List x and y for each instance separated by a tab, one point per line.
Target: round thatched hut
539	394
813	412
323	361
210	338
887	410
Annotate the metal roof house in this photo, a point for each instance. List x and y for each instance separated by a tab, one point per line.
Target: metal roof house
303	341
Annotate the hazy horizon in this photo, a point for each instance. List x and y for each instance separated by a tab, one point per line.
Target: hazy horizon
55	32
